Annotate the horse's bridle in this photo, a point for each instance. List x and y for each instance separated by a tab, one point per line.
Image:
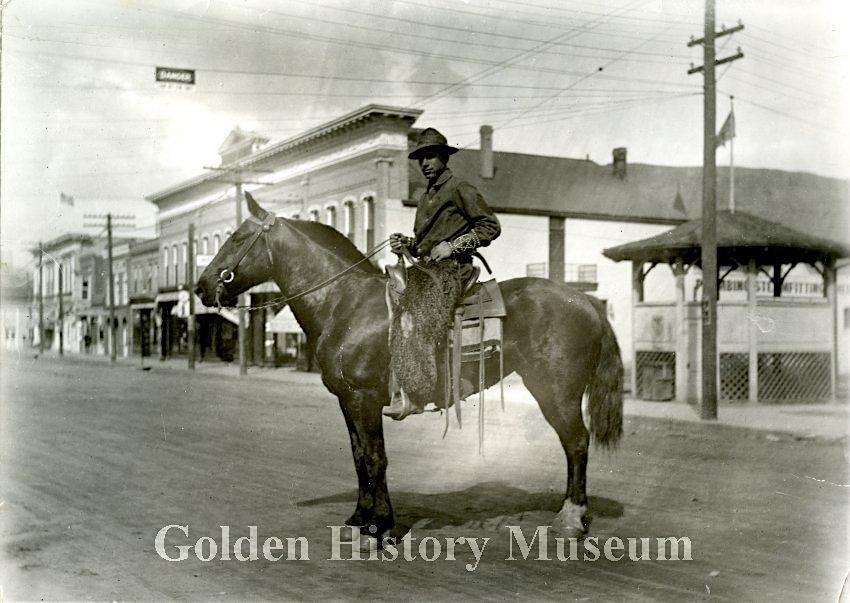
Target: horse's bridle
228	274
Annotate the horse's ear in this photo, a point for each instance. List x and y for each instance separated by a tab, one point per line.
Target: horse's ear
254	207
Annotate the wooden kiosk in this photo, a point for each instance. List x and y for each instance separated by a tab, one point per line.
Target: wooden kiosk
771	350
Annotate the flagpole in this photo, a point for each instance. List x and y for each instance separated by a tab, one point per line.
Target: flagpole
732	161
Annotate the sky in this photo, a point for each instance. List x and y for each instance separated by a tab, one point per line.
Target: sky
83	116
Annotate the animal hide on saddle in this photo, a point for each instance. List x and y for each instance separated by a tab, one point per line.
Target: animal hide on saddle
420	323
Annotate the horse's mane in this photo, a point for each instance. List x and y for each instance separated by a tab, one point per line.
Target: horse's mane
334	241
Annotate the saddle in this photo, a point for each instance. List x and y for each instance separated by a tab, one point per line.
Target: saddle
475	337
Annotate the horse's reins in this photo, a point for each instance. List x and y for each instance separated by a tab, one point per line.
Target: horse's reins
227	274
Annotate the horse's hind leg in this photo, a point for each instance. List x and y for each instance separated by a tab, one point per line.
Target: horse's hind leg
363	417
561	406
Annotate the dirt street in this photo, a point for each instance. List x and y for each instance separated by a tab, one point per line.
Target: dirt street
96	460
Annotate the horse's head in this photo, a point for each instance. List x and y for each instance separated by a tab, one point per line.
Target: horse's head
244	260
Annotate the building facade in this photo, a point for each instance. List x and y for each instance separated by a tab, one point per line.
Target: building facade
350	173
144	279
64	254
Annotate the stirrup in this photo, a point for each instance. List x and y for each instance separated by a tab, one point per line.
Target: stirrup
401	407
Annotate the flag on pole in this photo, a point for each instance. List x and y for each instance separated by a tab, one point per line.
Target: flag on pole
66	199
727	132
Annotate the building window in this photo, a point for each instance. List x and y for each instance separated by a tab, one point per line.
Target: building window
175	262
314	215
205	245
369	221
165	263
330	216
184	250
84	294
348	219
216	243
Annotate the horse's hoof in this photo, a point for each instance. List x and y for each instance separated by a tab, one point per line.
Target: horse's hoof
571	521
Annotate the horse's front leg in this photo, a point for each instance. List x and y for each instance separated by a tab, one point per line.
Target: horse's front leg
374	510
365	505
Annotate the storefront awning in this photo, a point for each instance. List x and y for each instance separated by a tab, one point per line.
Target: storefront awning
168	296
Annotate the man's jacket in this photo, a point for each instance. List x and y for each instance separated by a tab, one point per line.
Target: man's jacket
448	209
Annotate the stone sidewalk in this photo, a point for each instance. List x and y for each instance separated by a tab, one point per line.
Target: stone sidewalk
822	421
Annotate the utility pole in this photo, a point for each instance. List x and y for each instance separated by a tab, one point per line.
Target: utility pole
61	320
236	174
40	300
243	360
732	160
708	403
190	286
112	344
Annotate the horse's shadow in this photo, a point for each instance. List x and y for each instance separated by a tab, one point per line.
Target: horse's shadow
482	505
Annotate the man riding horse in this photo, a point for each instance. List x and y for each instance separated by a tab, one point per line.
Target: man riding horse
452	222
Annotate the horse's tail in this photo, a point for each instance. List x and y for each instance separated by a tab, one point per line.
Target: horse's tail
605	392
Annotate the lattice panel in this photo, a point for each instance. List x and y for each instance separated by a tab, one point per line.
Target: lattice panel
734	376
656	375
794	376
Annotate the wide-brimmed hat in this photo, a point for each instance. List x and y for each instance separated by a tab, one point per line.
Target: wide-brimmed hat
430	138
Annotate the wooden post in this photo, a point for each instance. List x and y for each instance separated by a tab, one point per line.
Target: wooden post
61	320
40	300
637	297
681	341
556	249
243	366
830	277
190	286
753	332
113	337
777	280
708	403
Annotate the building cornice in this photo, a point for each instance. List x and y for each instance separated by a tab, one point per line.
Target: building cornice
346	121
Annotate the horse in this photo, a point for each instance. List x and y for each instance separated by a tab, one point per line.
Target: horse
556	338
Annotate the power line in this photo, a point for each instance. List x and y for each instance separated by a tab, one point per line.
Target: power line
494	63
781	92
465	30
794	50
575	114
295	74
311	94
801	42
820	126
507	63
786	64
580	109
578	81
680	22
513	8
